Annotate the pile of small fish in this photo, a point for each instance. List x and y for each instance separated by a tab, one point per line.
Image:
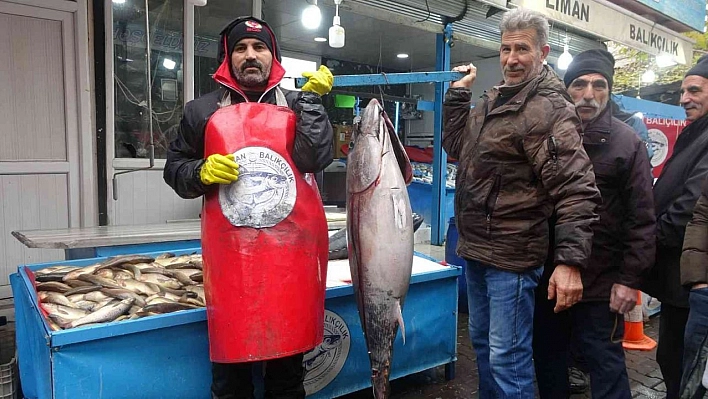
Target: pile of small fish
423	173
120	288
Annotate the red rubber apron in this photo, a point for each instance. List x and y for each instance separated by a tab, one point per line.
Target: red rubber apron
264	240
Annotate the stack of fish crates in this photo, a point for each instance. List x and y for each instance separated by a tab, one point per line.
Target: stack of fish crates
8	362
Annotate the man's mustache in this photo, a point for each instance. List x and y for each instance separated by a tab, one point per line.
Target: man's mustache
251	64
690	105
513	69
587	103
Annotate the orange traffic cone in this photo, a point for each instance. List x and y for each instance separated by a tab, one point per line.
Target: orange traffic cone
634	338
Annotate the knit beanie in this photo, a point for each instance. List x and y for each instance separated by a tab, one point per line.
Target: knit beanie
247	27
591	61
701	67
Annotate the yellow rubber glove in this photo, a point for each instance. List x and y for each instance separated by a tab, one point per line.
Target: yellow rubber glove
219	169
319	82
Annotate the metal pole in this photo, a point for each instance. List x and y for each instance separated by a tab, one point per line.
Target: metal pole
149	82
389	78
257	8
188	53
398	115
438	209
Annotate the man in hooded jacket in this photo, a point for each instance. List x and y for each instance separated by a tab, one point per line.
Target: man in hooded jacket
250	72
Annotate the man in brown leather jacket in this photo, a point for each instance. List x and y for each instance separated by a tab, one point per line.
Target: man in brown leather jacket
623	245
520	160
694	277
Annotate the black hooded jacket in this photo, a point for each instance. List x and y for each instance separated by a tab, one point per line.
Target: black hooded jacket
675	195
312	150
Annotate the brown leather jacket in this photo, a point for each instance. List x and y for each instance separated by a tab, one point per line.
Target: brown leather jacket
518	162
694	260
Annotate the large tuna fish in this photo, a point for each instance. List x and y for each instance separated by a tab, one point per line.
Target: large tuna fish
380	236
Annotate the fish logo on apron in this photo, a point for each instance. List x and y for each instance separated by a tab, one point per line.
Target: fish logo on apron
265	191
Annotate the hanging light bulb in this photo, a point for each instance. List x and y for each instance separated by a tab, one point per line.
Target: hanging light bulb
649	76
311	16
565	59
336	32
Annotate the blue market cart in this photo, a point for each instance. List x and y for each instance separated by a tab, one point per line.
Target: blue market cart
167	355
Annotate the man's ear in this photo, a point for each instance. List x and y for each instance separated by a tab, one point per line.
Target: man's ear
545	50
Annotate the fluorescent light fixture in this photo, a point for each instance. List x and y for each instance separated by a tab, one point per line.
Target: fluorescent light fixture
649	76
665	60
119	1
565	59
320	39
402	55
169	64
311	16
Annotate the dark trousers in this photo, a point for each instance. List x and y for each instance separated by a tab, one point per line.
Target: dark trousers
284	379
695	345
595	334
669	353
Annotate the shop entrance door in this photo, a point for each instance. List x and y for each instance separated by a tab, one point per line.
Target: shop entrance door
39	165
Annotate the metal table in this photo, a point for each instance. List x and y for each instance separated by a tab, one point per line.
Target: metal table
99	241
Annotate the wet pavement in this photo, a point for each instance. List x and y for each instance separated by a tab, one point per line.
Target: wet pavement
644	375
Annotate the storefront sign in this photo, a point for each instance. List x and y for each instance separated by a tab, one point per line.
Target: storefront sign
689	12
592	16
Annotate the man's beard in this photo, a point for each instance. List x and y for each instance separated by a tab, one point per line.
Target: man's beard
251	80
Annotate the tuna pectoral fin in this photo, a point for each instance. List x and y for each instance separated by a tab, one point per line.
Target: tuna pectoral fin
399	319
404	163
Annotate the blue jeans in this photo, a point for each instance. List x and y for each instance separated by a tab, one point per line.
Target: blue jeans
695	345
501	308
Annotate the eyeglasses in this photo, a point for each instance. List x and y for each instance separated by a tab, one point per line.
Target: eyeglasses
581	84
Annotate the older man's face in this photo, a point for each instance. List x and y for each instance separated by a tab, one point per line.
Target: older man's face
521	56
251	62
590	94
694	96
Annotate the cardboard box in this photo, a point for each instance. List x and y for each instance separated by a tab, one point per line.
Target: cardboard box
342	136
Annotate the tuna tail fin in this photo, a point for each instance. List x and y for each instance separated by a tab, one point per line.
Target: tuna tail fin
399	319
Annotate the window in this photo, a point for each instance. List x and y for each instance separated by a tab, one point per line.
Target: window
132	113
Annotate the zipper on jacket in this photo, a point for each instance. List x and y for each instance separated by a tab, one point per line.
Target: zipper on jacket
486	112
553	152
491	201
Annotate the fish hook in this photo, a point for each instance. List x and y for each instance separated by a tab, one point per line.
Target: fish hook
381	91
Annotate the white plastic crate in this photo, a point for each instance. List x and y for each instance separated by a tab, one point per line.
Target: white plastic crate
8	379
